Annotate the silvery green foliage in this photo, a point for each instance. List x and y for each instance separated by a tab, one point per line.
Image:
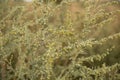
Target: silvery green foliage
41	43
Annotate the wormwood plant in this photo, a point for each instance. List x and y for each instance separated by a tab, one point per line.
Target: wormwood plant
35	47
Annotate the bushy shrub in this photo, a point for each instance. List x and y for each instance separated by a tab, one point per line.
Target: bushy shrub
47	42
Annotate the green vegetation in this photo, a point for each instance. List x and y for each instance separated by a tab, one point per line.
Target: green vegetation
72	40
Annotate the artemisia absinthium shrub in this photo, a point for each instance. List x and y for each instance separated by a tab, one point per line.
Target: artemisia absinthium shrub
40	42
